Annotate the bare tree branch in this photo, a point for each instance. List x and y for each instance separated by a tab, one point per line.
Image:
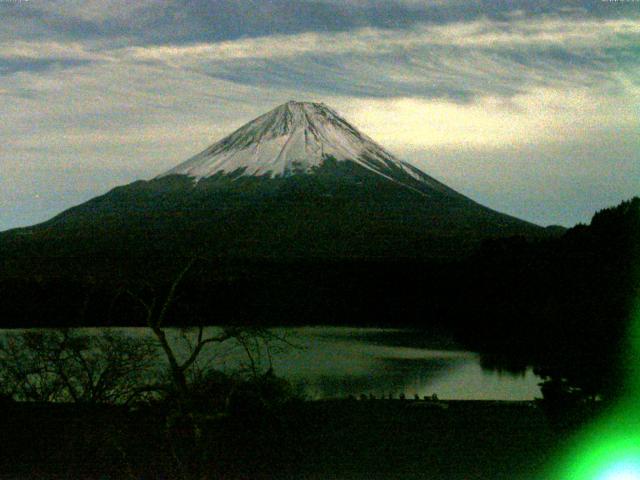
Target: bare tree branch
200	345
172	292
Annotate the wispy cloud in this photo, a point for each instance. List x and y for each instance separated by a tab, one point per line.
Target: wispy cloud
485	33
181	21
540	116
499	57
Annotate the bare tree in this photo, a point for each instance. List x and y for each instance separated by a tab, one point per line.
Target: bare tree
65	365
254	341
188	450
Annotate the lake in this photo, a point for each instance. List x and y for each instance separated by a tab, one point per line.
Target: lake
337	362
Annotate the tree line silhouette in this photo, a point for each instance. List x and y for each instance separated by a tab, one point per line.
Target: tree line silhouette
563	305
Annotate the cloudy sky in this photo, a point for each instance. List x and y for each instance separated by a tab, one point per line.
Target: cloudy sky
530	107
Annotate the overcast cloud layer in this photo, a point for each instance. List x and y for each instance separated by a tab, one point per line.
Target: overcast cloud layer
532	108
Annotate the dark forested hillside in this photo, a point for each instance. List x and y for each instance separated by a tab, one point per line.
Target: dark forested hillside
563	305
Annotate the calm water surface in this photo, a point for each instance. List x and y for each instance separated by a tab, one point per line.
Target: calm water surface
335	362
338	362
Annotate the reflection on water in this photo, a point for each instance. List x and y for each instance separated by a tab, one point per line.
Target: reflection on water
385	377
338	362
330	362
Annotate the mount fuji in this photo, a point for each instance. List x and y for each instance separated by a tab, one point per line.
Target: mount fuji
297	183
298	215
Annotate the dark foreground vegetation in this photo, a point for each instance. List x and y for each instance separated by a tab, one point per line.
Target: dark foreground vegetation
322	439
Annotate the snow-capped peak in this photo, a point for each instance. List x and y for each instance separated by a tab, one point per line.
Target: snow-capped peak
295	138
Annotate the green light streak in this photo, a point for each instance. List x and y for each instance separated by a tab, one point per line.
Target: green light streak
624	470
610	448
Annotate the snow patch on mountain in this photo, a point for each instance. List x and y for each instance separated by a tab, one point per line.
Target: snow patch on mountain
295	138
